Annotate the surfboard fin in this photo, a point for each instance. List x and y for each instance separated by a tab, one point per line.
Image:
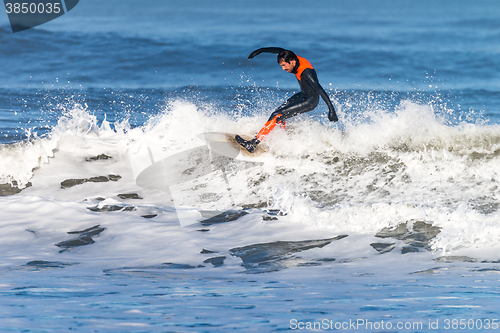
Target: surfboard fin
249	145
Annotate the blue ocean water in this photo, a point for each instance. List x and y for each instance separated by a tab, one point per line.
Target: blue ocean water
389	216
423	50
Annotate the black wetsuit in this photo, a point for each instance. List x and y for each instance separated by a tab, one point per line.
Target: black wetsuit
304	101
308	97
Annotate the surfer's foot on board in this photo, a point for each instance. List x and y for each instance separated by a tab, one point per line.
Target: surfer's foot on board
249	145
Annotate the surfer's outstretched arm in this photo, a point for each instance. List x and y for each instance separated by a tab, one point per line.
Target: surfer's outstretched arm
312	78
275	50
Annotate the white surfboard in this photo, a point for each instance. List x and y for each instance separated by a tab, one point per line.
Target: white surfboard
225	144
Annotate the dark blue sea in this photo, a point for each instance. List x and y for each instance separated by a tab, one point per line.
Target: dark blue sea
119	216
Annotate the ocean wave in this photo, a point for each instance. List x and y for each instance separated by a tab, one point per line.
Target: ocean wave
361	177
412	131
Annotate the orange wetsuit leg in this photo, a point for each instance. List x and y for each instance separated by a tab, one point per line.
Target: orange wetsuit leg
269	126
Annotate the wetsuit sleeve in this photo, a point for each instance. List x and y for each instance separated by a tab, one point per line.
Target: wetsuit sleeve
276	50
310	75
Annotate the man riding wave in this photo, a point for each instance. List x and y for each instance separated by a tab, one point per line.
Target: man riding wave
304	101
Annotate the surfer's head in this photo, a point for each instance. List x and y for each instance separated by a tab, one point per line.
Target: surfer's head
287	60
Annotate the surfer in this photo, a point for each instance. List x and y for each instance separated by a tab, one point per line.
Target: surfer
304	101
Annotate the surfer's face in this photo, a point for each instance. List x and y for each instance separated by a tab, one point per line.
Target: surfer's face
287	66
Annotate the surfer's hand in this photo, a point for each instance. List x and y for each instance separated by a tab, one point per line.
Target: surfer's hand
276	50
254	53
332	116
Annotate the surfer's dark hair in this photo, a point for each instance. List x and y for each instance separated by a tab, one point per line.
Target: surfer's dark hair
287	56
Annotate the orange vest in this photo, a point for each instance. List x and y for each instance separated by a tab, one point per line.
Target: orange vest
303	64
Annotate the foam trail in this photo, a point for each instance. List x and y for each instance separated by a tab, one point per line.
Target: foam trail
373	173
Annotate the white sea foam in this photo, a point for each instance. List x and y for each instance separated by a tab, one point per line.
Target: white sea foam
369	175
